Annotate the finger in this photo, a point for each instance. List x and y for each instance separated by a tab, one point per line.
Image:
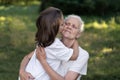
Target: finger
42	50
37	53
30	76
38	50
43	54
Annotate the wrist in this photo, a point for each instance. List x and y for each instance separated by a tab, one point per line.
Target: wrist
43	61
21	71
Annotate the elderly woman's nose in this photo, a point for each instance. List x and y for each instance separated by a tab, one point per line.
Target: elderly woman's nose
69	27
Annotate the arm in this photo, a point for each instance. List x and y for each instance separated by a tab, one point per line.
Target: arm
71	75
75	48
22	73
40	53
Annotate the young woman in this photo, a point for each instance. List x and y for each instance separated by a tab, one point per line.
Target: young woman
48	24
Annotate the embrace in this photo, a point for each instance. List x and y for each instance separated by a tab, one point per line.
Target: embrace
56	58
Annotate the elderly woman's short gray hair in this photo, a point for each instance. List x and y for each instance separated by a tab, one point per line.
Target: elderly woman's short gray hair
81	23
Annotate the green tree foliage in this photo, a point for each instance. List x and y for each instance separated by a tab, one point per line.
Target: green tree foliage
99	7
84	6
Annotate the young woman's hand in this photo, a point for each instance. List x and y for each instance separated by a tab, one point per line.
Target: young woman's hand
40	54
75	48
25	76
75	44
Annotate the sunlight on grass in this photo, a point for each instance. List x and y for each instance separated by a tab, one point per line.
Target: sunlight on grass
112	21
12	22
10	19
2	18
2	7
97	25
29	3
6	8
87	44
18	24
106	50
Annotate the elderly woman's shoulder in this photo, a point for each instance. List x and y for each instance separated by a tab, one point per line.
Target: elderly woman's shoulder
83	52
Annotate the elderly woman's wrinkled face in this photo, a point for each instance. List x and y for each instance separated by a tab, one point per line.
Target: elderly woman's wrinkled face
71	28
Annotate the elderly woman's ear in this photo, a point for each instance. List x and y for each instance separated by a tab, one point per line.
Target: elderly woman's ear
78	35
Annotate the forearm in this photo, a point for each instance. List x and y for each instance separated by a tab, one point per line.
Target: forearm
52	74
24	63
75	48
75	54
22	73
71	75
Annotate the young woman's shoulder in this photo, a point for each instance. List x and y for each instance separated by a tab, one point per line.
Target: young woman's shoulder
57	44
30	54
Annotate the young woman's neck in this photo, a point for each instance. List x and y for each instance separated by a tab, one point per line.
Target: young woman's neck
67	42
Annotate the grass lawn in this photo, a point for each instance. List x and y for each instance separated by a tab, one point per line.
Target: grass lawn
100	38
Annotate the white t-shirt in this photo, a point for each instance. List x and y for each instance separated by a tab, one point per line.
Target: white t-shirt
56	53
79	65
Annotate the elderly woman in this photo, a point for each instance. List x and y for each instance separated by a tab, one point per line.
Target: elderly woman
70	70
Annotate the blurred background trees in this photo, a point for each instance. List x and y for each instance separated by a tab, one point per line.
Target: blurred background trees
81	7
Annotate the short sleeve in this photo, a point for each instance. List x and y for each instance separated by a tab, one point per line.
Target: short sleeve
64	54
80	65
59	51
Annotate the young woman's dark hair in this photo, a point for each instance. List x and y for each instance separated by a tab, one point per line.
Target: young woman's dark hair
48	26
